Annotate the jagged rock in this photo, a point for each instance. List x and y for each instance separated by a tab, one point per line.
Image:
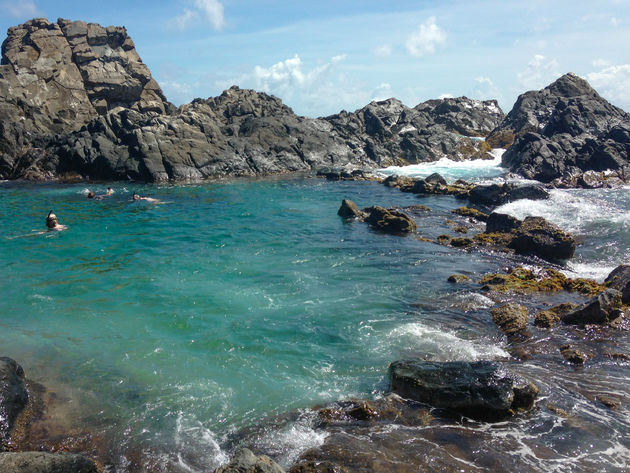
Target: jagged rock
244	461
13	396
389	220
499	194
572	354
565	128
482	390
349	209
465	116
619	279
537	236
41	462
511	318
602	309
549	318
436	184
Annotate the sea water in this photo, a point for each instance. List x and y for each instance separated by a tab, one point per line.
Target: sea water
170	326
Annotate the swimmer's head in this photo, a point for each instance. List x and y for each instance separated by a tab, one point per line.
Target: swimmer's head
136	197
91	195
110	191
51	220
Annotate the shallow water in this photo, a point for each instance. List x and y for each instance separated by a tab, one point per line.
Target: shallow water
171	326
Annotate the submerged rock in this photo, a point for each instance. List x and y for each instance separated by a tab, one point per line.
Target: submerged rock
482	390
13	396
244	461
572	354
41	462
602	309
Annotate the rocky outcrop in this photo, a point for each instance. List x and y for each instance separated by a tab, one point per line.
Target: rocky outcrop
605	308
511	318
75	98
244	461
382	219
564	129
537	236
349	209
13	396
619	279
40	462
499	194
481	390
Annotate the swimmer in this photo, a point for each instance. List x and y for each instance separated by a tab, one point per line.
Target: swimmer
110	191
91	195
53	224
136	197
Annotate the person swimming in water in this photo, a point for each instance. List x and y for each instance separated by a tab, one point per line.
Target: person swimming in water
91	195
109	192
53	223
137	197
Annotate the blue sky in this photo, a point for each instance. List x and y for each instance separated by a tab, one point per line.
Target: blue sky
323	56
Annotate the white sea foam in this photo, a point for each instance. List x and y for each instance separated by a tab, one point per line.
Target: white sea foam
469	169
595	271
443	345
197	445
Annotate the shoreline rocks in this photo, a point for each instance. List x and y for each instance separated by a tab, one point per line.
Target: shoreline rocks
13	397
42	462
386	220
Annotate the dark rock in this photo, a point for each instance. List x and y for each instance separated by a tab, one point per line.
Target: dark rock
13	396
537	236
481	390
389	220
349	209
461	242
511	318
549	318
404	183
499	194
437	185
244	461
501	223
41	462
565	128
602	309
619	279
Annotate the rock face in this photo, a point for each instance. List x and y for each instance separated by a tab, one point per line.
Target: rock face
40	462
564	129
13	396
619	279
75	98
499	194
244	461
602	309
480	390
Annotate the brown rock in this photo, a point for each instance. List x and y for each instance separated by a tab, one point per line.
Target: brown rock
511	318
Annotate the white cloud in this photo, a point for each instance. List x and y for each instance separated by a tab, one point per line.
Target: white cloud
540	71
21	8
384	50
445	96
424	40
484	80
600	62
210	11
382	92
613	83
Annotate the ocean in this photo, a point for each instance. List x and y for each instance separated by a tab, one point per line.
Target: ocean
172	328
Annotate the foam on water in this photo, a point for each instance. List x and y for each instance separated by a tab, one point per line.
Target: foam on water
474	169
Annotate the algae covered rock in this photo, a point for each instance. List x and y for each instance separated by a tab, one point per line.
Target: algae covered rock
511	318
482	390
472	213
537	236
602	309
389	220
349	209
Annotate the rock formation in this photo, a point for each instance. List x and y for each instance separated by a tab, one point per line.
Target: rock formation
76	99
13	396
563	130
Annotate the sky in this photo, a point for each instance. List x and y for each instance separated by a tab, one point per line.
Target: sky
323	56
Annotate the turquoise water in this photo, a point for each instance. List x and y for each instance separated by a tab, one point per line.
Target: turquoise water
173	325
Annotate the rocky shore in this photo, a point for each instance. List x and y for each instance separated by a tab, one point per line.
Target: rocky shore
104	117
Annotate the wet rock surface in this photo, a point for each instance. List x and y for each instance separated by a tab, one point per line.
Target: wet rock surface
481	390
605	308
564	129
41	462
244	461
13	396
382	219
511	318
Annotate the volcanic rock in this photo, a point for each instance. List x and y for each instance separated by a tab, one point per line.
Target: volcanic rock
349	209
565	128
13	396
389	220
482	390
244	461
499	194
602	309
619	279
537	236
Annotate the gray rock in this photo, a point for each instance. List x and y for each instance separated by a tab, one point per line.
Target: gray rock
501	223
41	462
565	128
481	390
619	279
537	236
499	194
244	461
13	396
602	309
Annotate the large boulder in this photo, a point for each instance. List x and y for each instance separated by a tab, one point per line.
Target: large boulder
13	396
389	220
602	309
482	390
499	194
619	279
41	462
565	128
244	461
537	236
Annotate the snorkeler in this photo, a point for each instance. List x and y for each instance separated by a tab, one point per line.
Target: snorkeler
53	224
137	197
